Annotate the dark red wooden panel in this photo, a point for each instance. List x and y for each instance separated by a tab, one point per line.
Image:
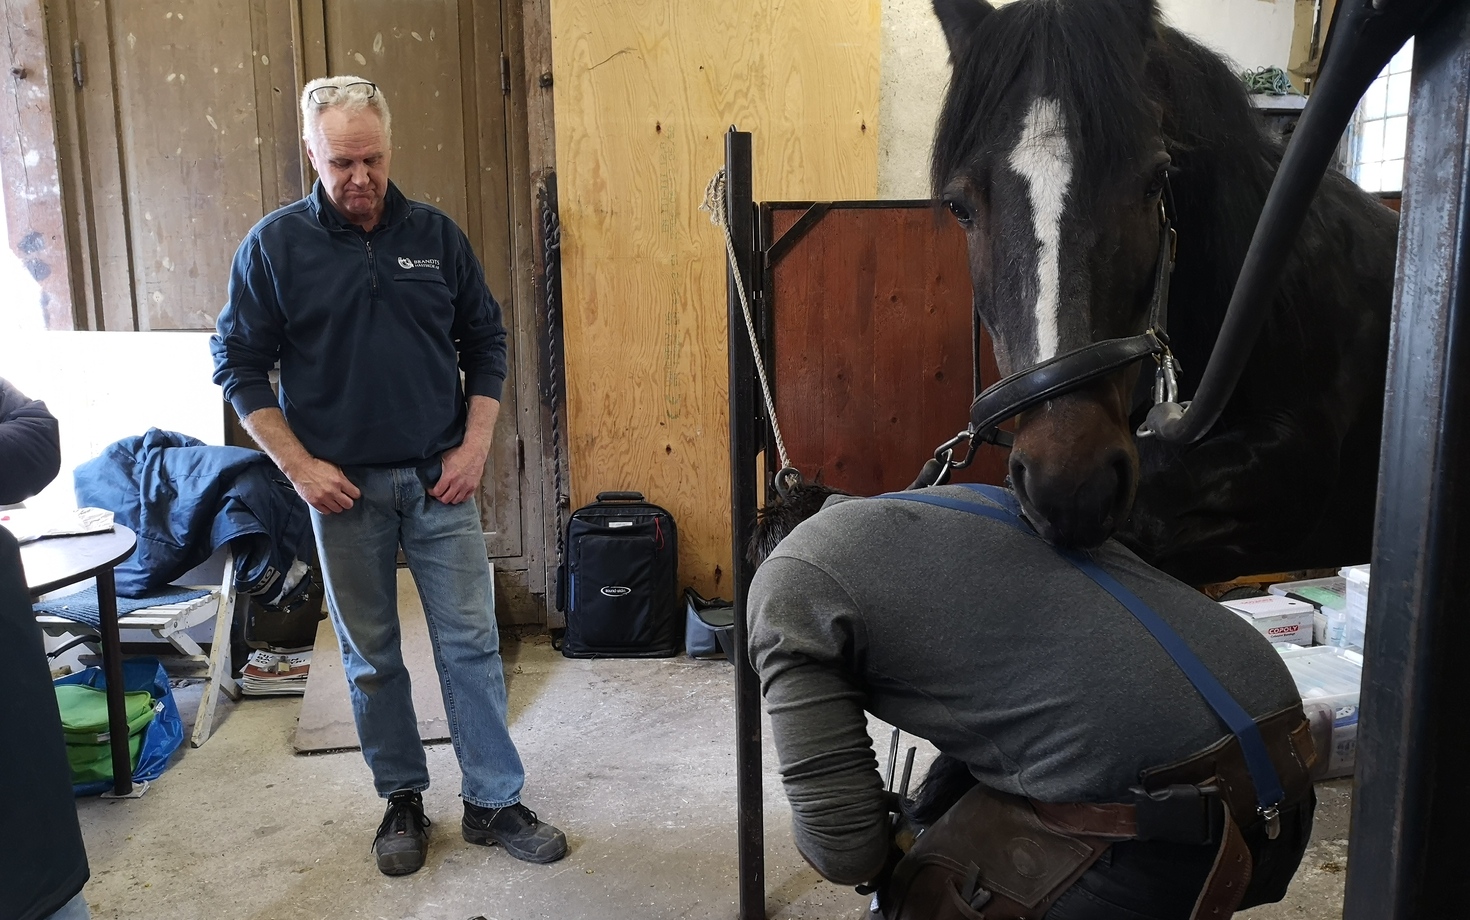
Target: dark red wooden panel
870	335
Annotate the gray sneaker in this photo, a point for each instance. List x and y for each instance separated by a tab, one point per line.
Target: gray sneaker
516	828
403	837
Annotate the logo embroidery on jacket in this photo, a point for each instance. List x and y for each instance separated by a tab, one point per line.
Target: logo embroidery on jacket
407	263
616	591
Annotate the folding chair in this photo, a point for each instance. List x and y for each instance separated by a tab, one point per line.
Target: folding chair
171	622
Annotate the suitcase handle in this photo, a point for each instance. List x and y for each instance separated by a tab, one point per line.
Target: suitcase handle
620	496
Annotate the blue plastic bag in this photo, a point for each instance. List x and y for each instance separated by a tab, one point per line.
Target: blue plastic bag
162	736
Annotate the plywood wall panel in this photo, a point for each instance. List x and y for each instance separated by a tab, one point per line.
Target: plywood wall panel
644	92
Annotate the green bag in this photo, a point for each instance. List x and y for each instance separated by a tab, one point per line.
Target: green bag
84	724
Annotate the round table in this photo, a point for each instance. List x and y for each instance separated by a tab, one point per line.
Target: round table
55	562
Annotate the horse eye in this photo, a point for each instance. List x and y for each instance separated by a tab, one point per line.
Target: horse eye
1156	186
960	212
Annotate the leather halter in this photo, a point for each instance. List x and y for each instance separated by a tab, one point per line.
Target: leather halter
1065	373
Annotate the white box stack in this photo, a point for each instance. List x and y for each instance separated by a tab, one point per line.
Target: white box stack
1330	681
1279	619
1357	604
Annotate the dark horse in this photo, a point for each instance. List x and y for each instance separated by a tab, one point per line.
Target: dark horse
1064	122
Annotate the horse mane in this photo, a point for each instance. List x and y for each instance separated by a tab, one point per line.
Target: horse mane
779	516
1119	75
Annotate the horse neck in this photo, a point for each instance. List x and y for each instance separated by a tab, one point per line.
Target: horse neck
1225	164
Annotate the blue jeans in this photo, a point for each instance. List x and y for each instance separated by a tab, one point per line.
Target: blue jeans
75	909
445	550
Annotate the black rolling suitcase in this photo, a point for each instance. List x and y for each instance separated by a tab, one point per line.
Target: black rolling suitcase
618	582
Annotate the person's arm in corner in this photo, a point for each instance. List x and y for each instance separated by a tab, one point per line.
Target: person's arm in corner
30	446
245	346
804	633
479	333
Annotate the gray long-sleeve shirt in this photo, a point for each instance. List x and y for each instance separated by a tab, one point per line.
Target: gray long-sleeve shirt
983	640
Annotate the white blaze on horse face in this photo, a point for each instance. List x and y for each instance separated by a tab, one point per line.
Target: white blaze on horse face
1043	159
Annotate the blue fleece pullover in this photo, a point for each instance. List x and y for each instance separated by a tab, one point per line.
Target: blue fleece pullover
371	330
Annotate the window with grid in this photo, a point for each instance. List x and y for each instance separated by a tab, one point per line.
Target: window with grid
1379	128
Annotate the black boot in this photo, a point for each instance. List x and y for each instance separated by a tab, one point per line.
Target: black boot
516	828
403	837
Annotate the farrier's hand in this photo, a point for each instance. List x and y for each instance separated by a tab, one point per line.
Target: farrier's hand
463	468
323	485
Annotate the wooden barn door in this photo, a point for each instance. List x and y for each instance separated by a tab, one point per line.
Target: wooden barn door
180	125
868	328
440	63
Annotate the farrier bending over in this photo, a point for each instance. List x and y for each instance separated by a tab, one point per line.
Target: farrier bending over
373	304
980	637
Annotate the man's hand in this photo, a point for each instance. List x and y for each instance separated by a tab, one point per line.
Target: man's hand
323	485
463	468
320	484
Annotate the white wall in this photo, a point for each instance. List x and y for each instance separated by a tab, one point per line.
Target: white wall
20	295
1251	33
104	386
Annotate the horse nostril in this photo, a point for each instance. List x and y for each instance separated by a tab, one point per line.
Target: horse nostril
1018	474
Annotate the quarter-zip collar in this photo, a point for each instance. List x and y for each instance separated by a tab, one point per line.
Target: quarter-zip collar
395	209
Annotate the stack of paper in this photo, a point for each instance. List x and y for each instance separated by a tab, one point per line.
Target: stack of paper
276	673
29	524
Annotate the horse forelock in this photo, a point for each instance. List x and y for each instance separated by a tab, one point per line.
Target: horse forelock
1087	55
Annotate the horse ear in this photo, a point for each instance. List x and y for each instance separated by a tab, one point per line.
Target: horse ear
960	19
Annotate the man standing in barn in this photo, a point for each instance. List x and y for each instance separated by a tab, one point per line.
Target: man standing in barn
373	304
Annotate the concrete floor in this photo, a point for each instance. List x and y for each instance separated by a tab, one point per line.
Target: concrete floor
633	759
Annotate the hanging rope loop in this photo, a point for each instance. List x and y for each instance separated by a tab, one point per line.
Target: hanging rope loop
714	203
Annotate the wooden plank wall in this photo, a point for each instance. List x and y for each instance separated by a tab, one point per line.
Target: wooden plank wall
31	195
862	410
644	92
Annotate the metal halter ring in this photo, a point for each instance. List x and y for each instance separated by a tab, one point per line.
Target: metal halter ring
786	479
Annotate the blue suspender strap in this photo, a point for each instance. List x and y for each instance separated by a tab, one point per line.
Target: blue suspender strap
1263	773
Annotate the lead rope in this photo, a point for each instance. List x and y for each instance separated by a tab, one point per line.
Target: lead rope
714	203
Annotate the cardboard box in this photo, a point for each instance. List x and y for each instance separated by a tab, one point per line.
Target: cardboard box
1279	619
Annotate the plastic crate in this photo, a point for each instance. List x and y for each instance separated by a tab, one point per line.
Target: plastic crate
1330	682
1357	603
1327	593
1329	596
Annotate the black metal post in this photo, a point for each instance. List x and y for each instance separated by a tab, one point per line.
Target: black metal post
750	818
1410	809
117	716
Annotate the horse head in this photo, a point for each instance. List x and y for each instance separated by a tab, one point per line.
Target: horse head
1052	156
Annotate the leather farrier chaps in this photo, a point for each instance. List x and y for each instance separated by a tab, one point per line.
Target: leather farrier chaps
995	856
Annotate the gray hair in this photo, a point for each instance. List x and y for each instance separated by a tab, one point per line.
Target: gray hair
350	101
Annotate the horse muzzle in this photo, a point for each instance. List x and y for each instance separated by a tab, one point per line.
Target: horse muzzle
1076	505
